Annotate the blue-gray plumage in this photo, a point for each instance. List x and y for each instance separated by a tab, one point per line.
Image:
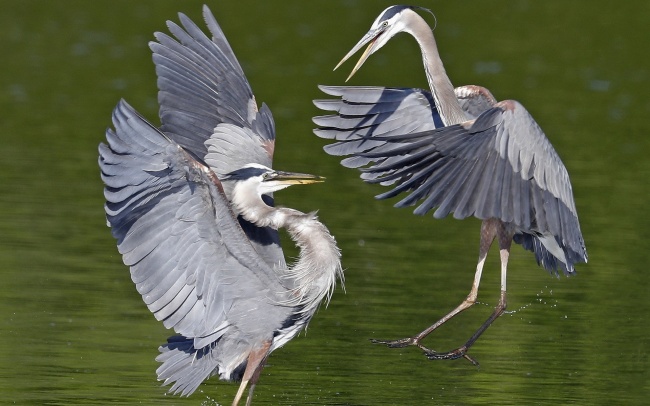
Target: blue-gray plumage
456	151
190	206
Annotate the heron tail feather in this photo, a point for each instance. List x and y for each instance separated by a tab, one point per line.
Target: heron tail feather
184	365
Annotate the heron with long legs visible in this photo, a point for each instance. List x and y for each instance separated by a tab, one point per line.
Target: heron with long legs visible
459	151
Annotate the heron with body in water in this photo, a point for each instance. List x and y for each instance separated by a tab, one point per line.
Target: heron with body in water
460	151
190	204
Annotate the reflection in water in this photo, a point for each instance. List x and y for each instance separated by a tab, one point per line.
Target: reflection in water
74	330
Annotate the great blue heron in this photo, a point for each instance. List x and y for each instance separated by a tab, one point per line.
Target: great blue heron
458	150
190	206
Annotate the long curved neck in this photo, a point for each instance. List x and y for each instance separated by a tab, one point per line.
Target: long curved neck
441	87
313	275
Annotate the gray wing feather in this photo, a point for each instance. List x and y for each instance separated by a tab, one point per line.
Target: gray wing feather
498	165
206	103
201	85
170	219
513	173
364	113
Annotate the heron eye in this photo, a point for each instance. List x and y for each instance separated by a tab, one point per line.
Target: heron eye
384	24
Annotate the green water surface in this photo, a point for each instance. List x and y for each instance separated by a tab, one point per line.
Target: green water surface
73	330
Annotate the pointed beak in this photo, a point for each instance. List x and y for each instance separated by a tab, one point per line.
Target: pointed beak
370	37
293	178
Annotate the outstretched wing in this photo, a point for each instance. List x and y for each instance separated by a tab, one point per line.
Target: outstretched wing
202	87
189	258
208	108
366	115
500	165
363	113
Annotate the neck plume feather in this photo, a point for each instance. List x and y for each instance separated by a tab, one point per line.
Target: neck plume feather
312	277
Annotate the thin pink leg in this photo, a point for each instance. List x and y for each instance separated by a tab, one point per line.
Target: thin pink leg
489	230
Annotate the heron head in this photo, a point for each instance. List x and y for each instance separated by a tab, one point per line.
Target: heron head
390	22
263	180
